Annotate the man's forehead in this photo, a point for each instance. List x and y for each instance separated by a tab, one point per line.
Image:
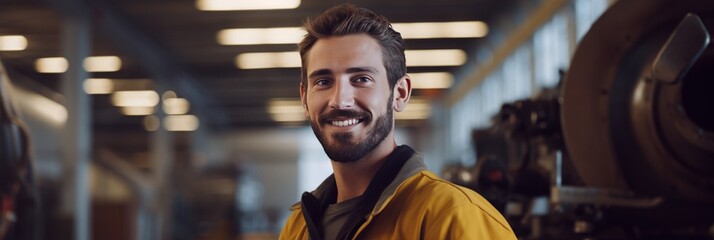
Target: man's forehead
341	53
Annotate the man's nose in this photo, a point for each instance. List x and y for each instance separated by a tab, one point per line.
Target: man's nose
343	95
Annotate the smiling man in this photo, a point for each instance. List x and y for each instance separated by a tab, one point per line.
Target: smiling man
353	79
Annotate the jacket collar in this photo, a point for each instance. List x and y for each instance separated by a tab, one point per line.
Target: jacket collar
414	165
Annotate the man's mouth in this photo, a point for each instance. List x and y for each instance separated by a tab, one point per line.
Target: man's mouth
344	118
345	123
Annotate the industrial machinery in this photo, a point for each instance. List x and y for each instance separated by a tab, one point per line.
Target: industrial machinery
628	139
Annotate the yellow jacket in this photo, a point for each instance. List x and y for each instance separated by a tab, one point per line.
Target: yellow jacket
417	204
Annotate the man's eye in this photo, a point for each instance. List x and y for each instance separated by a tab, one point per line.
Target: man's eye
322	82
362	79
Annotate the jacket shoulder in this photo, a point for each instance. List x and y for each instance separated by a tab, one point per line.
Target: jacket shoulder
443	195
433	184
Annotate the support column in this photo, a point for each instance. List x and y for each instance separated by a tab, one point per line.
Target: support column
76	144
162	152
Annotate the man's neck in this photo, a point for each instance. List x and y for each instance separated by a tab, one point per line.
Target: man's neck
353	178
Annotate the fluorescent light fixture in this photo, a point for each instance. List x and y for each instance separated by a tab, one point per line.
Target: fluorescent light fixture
283	105
51	65
176	106
260	60
254	36
91	64
168	94
286	110
137	111
181	123
293	35
98	86
13	43
102	64
228	5
441	57
417	109
412	115
288	117
415	58
424	30
135	98
431	80
151	123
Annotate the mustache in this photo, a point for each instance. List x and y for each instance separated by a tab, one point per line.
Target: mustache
326	117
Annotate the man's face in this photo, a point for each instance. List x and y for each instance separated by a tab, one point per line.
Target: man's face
347	96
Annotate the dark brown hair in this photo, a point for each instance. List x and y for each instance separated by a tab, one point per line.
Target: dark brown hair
349	19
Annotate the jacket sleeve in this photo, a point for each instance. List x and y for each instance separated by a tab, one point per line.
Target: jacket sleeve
468	221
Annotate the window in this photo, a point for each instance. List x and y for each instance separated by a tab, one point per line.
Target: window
551	49
586	13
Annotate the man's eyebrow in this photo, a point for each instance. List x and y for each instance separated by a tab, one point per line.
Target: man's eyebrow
323	72
362	69
320	72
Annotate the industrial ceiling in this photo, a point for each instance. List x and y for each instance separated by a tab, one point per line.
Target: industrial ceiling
175	43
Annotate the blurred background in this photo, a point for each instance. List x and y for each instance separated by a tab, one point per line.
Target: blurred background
181	119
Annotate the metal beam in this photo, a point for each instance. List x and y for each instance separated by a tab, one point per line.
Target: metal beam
525	32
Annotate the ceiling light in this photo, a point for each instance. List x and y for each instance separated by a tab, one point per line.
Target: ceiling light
293	35
51	65
168	94
268	60
98	86
408	115
137	111
135	98
282	105
253	36
176	106
431	80
181	123
91	64
288	117
416	109
444	57
151	123
228	5
102	64
415	58
286	110
13	43
423	30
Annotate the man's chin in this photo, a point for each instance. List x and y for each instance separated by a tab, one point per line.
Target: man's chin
341	154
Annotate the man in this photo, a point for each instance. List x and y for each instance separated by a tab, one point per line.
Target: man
353	79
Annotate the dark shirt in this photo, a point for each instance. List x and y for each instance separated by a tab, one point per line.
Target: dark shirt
335	216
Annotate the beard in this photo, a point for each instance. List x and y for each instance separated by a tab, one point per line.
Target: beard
343	149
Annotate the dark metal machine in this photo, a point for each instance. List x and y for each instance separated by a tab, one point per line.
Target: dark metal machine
630	133
638	108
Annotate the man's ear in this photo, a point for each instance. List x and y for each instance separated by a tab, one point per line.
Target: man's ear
402	93
303	99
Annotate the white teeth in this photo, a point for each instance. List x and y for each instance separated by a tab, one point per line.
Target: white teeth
345	123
